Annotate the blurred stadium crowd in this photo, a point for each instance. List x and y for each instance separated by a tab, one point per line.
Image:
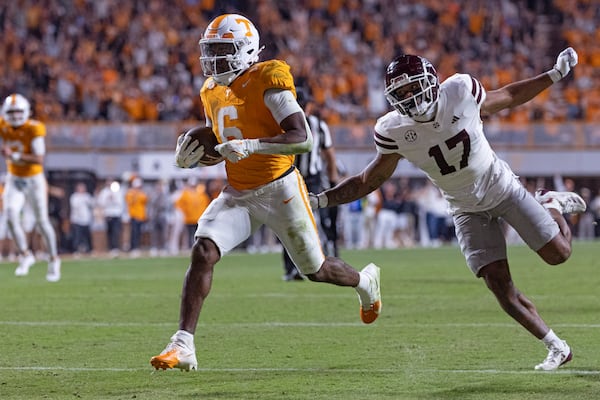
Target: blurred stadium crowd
109	60
135	61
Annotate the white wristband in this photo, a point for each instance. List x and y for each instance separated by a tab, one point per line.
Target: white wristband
555	75
322	200
256	146
15	156
252	145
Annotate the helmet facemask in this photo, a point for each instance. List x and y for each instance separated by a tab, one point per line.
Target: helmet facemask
229	46
16	110
412	95
224	59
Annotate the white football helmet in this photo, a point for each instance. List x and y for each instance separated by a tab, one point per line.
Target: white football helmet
229	46
16	110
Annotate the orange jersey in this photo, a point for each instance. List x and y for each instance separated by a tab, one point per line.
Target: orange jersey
238	111
192	204
136	201
19	140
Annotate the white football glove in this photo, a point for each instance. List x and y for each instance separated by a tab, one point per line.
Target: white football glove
237	149
187	155
566	60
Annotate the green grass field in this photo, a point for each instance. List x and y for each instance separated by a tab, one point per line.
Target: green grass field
441	334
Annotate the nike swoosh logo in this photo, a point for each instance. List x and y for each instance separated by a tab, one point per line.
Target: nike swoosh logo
288	200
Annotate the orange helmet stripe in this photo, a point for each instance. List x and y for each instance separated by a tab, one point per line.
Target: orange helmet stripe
213	29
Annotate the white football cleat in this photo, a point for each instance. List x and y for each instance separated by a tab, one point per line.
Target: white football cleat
556	357
564	202
25	262
53	274
177	354
370	302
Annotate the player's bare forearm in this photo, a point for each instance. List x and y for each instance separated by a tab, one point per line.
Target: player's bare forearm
515	94
360	185
351	189
295	139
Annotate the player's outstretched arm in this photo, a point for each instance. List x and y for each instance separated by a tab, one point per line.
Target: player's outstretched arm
520	92
355	187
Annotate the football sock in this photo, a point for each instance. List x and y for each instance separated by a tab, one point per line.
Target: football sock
363	283
185	337
550	338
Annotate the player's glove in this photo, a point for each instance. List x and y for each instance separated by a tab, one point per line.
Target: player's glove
187	155
238	149
566	60
317	201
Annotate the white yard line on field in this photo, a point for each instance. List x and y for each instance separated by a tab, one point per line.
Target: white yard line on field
328	370
275	324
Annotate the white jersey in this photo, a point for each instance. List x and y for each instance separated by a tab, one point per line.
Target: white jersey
452	148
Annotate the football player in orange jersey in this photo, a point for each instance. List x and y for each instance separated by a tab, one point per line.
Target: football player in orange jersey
24	149
252	109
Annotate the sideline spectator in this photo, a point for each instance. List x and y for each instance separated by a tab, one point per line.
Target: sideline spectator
159	208
433	214
192	202
353	224
81	217
585	222
136	200
111	202
176	224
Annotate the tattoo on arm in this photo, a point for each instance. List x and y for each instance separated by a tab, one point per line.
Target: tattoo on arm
354	188
345	192
371	178
376	181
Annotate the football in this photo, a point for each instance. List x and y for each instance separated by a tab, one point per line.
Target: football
205	137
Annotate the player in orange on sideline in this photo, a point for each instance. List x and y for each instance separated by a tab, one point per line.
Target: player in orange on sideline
24	149
252	109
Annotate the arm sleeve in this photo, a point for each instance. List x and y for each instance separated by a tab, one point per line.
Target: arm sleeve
281	103
38	146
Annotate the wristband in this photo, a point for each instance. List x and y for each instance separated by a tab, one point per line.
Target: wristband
252	145
15	156
256	146
322	200
555	75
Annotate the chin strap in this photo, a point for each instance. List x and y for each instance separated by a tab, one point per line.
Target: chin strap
428	116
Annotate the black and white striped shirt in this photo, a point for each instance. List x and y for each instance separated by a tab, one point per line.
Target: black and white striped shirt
311	164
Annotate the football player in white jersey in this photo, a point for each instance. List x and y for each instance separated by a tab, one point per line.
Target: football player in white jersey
24	150
438	128
252	109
